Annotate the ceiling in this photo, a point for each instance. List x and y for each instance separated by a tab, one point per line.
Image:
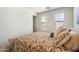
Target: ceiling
41	9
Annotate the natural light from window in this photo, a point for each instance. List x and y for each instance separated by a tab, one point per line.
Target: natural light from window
59	19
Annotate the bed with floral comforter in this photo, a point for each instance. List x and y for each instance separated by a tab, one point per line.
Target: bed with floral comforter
40	42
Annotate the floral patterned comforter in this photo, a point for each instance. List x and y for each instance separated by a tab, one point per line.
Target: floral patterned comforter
34	42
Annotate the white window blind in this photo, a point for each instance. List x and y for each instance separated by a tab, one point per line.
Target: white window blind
59	19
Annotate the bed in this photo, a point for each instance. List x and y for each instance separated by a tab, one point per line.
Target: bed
61	41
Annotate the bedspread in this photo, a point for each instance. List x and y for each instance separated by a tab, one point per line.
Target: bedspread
36	42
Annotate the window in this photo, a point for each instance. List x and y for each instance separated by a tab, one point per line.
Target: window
43	19
44	23
59	19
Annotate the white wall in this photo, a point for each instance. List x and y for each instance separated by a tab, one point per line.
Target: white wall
68	18
14	22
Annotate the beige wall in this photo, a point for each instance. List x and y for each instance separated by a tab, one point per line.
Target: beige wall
68	11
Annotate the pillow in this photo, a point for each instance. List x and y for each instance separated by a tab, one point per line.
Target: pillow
61	38
64	41
73	43
59	30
